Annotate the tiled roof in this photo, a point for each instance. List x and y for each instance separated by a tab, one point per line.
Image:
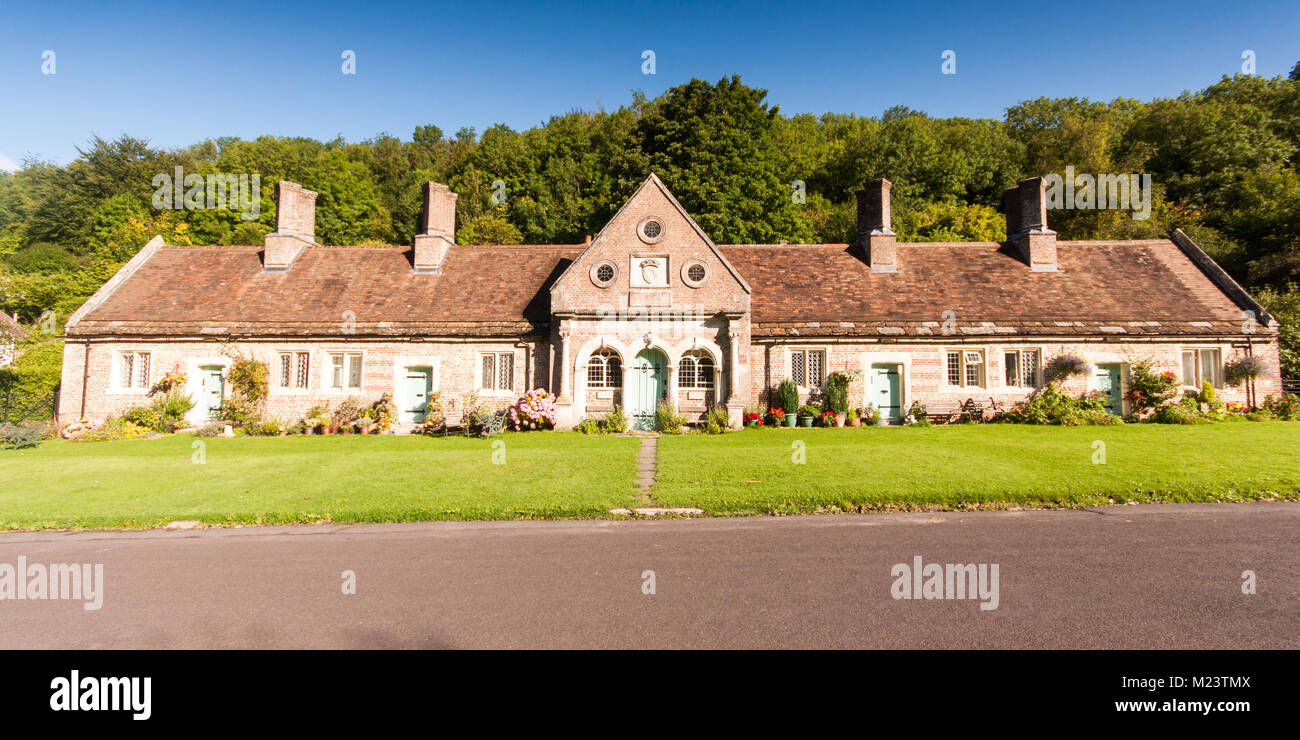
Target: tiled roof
9	328
1118	288
1103	287
220	290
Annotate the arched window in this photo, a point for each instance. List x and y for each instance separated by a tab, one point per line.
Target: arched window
605	370
695	371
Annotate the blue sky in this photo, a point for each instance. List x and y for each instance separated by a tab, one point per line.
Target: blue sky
177	73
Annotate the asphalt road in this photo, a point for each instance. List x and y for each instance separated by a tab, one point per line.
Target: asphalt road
1164	576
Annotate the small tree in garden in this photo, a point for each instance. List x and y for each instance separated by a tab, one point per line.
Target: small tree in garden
1149	390
1243	371
1063	367
837	390
787	394
249	385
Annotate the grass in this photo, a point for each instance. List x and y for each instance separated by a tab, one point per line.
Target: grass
248	480
977	466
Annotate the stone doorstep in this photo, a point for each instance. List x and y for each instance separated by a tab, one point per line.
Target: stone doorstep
183	524
656	511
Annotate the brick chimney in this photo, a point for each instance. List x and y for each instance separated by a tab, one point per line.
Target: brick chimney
439	228
878	240
295	226
1025	206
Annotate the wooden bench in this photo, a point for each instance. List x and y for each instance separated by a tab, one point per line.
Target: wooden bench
951	411
17	437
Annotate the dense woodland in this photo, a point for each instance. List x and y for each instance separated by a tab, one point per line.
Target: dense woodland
1222	161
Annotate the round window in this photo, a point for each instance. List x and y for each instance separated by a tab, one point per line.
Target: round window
651	230
695	273
603	273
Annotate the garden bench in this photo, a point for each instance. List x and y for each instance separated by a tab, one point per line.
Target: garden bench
496	424
16	437
943	412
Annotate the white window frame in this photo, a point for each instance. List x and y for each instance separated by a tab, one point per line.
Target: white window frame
694	357
294	358
327	371
600	358
800	382
117	386
964	362
1020	366
496	390
1197	364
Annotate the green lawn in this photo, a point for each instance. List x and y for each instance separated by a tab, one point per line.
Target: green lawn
976	466
147	483
981	466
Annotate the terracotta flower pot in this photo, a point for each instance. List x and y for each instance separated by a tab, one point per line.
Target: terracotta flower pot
855	421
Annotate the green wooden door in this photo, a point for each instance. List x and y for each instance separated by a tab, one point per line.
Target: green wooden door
649	384
1108	379
885	392
212	391
415	393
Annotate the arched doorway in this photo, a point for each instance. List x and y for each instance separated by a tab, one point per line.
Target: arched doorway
649	384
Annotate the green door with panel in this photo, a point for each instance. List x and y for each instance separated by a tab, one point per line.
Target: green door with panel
415	393
211	391
649	385
1108	379
885	391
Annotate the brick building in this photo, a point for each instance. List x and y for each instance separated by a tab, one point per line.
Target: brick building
652	309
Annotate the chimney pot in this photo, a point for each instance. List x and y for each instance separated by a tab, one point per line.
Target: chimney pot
874	222
439	228
1025	207
295	226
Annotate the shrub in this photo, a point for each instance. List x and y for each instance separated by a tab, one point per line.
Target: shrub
810	409
1179	414
348	410
615	422
1149	390
536	410
171	408
1049	405
717	420
211	429
143	416
837	390
590	426
111	430
265	428
667	420
1286	408
249	385
787	394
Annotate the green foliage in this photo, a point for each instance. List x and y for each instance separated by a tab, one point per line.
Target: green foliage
837	391
615	422
1149	390
717	420
589	426
1048	405
810	409
37	370
1284	304
113	429
667	420
787	394
249	385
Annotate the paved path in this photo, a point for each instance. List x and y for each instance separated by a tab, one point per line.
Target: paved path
1164	576
647	464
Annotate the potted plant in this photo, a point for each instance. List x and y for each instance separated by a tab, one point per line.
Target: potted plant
753	419
832	419
787	394
326	425
851	416
808	413
365	421
837	393
777	416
